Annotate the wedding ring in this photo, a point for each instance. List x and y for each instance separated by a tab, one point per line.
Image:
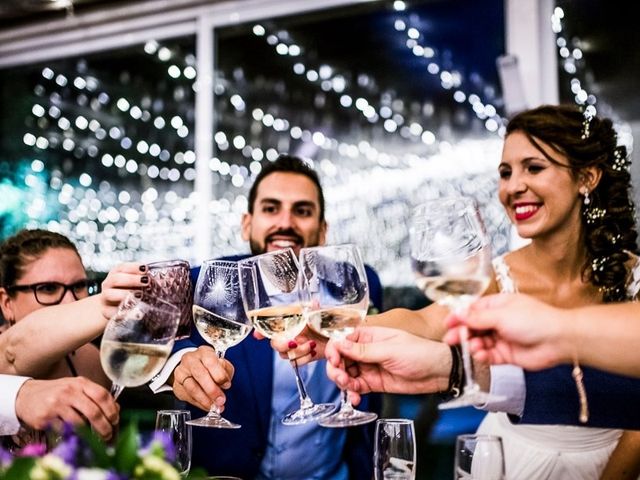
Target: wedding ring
185	379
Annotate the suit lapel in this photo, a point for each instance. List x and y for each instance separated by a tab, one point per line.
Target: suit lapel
258	357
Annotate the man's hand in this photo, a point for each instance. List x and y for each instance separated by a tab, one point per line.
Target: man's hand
381	359
512	328
200	378
44	403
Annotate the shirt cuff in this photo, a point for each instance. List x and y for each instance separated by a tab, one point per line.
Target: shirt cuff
11	385
159	382
507	383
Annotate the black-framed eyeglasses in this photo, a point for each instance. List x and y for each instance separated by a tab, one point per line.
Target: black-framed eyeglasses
52	293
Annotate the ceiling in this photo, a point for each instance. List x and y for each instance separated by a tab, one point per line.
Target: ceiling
606	32
20	12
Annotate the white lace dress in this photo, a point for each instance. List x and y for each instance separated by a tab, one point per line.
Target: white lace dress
551	452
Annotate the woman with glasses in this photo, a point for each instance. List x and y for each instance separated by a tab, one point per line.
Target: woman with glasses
45	293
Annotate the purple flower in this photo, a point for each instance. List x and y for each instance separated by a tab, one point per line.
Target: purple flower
5	457
33	450
67	449
160	440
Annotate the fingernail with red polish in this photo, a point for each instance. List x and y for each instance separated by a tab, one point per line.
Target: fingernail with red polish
313	353
312	344
292	344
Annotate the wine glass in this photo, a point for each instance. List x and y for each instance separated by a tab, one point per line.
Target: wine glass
175	424
171	281
137	341
451	259
219	316
339	301
479	457
275	295
394	457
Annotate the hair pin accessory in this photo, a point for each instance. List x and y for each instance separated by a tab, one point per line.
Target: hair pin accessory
589	114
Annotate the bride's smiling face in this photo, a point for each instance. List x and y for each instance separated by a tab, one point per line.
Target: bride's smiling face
540	197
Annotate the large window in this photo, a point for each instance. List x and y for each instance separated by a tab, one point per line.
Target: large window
392	105
100	148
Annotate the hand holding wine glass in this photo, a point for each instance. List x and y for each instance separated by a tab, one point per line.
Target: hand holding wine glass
451	259
219	316
137	341
339	300
275	295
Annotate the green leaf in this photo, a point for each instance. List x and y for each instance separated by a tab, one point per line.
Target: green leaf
126	455
101	458
19	469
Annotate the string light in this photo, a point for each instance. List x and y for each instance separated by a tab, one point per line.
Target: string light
370	183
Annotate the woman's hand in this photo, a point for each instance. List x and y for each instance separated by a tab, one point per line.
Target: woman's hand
304	348
119	282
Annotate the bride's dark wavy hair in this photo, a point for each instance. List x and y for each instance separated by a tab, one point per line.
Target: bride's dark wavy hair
608	220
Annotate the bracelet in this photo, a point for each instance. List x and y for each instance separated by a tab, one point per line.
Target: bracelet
457	372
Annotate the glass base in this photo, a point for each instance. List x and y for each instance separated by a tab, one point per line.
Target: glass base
309	414
348	418
471	397
212	421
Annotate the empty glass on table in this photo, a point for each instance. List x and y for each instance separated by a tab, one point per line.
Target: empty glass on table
479	457
175	424
394	457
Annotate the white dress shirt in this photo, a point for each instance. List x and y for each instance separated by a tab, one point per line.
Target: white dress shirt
507	381
9	386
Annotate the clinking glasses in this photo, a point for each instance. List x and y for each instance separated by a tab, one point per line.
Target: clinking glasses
52	293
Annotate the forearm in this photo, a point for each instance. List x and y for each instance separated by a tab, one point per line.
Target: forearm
427	322
604	337
624	463
48	334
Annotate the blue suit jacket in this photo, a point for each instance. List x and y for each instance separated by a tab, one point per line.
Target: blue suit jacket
552	398
240	452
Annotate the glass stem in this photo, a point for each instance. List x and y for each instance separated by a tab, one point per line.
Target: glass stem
305	401
116	390
214	410
345	401
469	382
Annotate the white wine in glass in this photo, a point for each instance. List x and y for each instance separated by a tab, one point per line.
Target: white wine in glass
269	321
339	299
137	341
219	316
451	260
276	296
